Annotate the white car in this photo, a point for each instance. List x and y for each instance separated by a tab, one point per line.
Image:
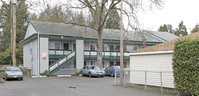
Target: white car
92	70
11	72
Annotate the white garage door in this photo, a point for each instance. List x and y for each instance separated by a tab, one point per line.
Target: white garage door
153	64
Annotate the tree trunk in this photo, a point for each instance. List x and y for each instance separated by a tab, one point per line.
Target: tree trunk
99	48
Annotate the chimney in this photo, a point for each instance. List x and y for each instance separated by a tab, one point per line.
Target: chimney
144	42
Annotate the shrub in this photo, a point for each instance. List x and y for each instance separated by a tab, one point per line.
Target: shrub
186	66
77	72
46	73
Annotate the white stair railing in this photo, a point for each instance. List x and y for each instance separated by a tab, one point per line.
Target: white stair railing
61	61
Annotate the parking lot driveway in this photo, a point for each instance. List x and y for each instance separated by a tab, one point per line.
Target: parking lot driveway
70	86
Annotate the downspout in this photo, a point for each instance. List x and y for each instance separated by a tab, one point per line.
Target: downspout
38	54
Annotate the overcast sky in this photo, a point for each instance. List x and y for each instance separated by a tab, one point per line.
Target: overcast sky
173	12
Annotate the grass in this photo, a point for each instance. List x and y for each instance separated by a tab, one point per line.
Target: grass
153	88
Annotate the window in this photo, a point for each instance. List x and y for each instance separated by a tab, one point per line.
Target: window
125	64
117	48
92	47
92	62
52	45
111	48
124	48
117	63
105	47
57	45
111	63
135	47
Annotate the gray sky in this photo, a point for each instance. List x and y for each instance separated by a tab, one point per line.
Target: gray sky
173	12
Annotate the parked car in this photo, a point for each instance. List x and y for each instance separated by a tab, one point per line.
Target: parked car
110	71
92	70
11	72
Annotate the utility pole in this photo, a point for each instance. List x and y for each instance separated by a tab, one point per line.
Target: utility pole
14	3
121	44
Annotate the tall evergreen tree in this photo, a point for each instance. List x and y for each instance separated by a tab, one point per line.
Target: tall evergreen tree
113	21
5	20
195	29
181	30
166	28
163	28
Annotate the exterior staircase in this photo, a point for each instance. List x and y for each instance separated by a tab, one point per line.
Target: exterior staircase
59	64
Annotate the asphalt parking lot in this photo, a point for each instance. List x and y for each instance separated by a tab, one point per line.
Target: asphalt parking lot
70	86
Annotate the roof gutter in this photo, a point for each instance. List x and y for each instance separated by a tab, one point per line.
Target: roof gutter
150	53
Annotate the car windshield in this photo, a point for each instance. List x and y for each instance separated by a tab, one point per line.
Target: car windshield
95	67
12	69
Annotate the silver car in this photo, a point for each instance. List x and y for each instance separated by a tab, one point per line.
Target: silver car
11	72
92	70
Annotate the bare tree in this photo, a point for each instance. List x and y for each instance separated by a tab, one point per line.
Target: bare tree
100	9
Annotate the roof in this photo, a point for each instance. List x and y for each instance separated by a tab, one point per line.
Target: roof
169	45
52	28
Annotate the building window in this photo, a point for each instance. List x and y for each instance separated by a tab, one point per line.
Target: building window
125	64
135	47
54	45
117	63
111	47
57	45
117	48
111	63
105	47
92	62
92	47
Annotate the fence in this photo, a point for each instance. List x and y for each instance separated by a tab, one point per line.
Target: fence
162	79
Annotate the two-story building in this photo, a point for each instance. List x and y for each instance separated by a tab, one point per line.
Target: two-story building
62	48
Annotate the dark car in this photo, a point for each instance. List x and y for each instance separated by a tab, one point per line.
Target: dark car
111	70
92	70
12	72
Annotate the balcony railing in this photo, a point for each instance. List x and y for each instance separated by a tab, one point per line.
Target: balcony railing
59	52
88	54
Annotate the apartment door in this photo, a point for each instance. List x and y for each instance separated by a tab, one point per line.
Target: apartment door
66	46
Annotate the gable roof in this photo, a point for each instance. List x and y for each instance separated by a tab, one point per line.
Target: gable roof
169	45
52	28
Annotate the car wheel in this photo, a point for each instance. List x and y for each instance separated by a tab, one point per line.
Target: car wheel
90	75
112	75
102	76
20	79
6	79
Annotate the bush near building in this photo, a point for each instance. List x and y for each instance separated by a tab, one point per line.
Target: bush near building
186	66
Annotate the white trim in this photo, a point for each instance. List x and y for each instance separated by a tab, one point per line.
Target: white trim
154	52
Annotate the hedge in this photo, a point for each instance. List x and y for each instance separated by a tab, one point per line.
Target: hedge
186	66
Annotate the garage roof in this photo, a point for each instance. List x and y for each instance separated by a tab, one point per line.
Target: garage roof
169	45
